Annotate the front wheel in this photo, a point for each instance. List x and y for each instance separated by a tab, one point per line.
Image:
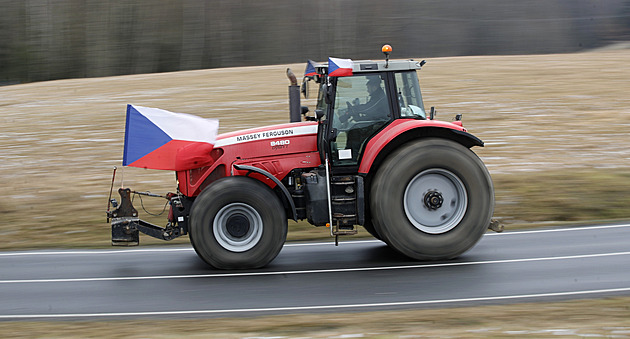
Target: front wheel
432	199
237	223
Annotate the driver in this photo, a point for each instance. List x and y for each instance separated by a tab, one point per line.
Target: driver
376	108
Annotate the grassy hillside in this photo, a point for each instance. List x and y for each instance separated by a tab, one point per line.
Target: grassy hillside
555	127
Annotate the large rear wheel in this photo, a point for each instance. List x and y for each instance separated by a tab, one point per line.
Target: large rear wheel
237	223
432	199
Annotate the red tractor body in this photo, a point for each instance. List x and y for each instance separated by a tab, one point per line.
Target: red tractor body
371	157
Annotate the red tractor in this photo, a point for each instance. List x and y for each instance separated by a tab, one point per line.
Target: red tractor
371	156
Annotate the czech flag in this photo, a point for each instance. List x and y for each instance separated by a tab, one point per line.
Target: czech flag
163	140
340	67
310	69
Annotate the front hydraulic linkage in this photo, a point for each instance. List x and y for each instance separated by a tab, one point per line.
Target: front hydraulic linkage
126	224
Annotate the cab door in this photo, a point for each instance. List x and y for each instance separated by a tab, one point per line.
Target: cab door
359	107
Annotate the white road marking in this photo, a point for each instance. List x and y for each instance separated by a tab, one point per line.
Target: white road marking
317	307
331	243
87	252
332	270
568	229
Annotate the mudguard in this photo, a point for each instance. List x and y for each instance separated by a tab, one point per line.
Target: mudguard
403	130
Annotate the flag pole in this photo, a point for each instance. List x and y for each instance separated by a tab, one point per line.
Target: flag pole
122	176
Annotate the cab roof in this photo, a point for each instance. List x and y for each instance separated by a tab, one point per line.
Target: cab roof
365	66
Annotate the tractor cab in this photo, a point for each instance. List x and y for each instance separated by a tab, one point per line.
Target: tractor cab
352	108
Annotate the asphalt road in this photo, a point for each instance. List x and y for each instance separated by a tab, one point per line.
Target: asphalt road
510	267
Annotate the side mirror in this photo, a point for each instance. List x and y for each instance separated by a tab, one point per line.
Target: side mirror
319	114
304	88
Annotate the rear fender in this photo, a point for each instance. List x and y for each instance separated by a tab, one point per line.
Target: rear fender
402	130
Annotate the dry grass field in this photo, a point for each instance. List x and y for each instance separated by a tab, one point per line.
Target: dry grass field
605	318
557	146
555	127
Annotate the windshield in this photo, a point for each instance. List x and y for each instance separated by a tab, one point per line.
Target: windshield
409	96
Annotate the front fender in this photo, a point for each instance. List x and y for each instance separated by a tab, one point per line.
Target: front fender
284	190
403	130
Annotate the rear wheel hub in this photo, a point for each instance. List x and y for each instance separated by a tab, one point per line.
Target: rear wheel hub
433	200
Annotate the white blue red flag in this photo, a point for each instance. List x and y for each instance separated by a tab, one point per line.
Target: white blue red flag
310	69
163	140
340	67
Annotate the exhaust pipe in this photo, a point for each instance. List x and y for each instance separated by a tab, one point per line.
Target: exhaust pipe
294	98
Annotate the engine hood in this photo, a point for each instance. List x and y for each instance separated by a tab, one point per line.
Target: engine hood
270	140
